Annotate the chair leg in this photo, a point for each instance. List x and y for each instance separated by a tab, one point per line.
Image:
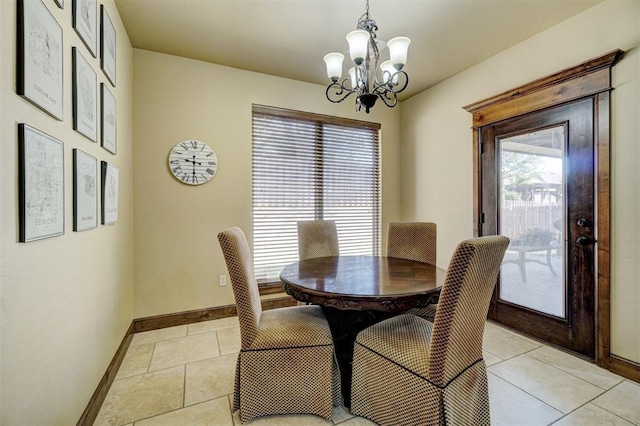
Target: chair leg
523	272
553	271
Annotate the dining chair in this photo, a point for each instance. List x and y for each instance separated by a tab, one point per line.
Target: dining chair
407	370
317	238
287	362
414	241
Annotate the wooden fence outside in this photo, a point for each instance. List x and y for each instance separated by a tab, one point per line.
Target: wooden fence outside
517	217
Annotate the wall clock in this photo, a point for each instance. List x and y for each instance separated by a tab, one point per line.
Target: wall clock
193	162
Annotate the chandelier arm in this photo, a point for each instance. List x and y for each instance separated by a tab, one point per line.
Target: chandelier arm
389	86
406	81
339	95
390	99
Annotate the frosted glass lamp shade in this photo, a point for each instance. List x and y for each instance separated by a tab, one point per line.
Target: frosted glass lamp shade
398	48
358	45
334	65
390	69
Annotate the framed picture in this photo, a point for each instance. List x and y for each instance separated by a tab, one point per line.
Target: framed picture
108	120
60	3
109	193
85	22
40	184
85	191
85	92
39	70
107	46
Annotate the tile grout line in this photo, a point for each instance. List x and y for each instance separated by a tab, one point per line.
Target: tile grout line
532	396
510	358
552	366
603	391
230	408
611	412
218	342
571	374
162	369
589	402
153	351
541	346
165	412
184	386
559	369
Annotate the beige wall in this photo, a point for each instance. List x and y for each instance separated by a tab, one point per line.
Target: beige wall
437	155
66	302
178	259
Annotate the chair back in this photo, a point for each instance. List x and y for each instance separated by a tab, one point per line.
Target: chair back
239	261
317	238
456	340
412	241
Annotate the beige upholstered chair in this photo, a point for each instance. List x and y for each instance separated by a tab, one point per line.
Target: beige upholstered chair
409	371
287	363
317	238
414	241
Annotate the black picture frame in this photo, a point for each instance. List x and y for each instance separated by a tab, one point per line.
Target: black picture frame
85	191
108	44
40	58
40	184
85	97
108	120
85	22
110	184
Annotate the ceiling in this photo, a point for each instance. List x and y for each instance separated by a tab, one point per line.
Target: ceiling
289	38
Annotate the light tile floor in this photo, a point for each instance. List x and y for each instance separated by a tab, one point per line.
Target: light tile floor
184	376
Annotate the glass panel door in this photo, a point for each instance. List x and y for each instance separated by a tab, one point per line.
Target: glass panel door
538	188
531	202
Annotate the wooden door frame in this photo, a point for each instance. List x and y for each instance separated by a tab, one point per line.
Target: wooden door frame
588	79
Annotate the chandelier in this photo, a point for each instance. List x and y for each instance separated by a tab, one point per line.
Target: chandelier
368	78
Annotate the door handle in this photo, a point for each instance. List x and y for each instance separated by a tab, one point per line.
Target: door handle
584	241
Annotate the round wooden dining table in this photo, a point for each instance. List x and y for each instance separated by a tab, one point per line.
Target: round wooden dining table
356	292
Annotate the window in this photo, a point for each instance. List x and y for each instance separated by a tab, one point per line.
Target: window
312	167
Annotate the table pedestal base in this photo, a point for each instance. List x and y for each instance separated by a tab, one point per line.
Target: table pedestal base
345	326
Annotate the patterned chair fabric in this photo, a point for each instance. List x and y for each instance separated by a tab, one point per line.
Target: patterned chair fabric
287	363
317	238
414	241
409	371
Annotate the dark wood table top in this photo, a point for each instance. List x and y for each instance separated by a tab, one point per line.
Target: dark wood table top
363	282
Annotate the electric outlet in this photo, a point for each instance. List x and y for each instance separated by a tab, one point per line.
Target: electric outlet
222	280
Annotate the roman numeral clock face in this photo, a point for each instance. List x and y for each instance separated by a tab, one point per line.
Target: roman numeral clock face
193	162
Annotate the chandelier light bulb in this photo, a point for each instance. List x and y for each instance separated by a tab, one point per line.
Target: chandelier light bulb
387	67
358	45
398	48
352	74
334	65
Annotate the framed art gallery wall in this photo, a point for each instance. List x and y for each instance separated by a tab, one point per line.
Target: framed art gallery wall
67	290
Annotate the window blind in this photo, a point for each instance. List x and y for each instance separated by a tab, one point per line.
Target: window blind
312	167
